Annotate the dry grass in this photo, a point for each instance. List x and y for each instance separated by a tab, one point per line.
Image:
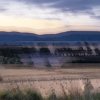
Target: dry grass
30	94
46	81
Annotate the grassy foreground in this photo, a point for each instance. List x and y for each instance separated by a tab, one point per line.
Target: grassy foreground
14	90
33	95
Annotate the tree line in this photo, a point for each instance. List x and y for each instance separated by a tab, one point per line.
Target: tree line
11	55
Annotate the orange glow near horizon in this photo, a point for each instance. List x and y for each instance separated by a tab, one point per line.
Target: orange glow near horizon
39	26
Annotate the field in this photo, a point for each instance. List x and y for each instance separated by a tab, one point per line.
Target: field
73	78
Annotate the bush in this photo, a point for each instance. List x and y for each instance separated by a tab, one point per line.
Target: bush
1	78
19	95
33	95
11	95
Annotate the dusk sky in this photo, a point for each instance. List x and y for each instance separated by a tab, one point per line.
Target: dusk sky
49	16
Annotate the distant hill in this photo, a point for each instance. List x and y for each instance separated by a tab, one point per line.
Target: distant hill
64	36
17	36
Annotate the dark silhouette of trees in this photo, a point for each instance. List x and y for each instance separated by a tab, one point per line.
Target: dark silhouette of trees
81	51
27	50
64	52
59	51
89	51
9	56
7	52
44	51
97	51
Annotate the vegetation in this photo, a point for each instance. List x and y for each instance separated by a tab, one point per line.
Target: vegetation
33	95
9	56
44	51
17	54
1	78
18	94
9	60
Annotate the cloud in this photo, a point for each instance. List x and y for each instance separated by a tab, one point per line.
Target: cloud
2	6
23	7
74	6
2	9
66	4
68	12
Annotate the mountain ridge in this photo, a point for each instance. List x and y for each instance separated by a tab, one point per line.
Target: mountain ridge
63	36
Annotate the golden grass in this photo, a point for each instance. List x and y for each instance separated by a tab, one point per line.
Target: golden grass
62	81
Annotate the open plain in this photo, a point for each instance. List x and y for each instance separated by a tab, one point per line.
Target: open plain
73	77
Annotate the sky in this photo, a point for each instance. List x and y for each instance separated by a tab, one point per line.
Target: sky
49	16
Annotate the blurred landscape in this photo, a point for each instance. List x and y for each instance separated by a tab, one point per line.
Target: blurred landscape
50	67
49	49
53	50
80	81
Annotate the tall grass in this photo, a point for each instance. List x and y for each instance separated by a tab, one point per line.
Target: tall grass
33	95
20	95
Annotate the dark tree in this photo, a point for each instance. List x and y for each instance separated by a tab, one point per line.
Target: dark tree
97	51
28	50
44	51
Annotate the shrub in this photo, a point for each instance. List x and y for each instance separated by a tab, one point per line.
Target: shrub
11	95
33	95
19	95
1	78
